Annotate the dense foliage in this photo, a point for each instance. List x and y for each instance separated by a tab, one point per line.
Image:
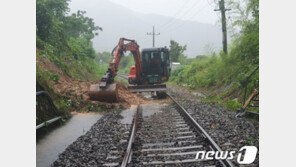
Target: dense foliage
125	63
228	72
66	39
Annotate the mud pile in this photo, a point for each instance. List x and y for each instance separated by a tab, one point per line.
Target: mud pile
76	90
126	96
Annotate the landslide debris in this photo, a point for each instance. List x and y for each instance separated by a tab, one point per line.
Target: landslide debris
76	90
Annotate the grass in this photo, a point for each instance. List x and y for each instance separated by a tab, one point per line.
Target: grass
215	76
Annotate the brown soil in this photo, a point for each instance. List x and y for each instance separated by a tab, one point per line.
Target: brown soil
76	90
125	96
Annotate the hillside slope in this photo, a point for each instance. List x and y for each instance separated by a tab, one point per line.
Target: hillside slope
71	94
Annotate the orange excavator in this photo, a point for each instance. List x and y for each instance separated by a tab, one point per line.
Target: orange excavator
148	74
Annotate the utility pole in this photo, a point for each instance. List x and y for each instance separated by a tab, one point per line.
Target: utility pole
224	30
153	36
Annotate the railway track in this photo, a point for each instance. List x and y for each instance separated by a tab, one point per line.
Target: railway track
170	137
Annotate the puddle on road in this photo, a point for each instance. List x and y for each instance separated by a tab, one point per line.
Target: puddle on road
48	147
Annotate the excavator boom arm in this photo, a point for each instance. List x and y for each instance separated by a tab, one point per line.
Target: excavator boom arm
122	47
106	90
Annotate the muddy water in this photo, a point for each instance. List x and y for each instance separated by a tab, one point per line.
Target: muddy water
55	142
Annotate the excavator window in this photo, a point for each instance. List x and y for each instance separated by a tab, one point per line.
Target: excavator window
152	63
162	57
146	57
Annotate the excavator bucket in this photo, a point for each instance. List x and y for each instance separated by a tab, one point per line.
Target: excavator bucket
107	94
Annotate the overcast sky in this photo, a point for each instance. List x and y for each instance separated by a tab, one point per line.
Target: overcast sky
197	10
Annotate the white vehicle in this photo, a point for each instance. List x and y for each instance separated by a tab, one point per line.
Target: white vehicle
174	65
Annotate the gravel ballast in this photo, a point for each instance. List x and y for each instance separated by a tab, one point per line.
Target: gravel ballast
229	132
103	144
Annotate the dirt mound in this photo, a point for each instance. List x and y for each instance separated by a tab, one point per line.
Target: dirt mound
76	90
126	96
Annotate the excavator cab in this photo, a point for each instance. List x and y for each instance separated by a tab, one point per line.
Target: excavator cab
156	65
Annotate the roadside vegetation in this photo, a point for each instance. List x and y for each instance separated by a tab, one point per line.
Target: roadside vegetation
64	39
222	76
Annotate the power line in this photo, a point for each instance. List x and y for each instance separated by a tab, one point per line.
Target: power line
192	16
175	15
183	15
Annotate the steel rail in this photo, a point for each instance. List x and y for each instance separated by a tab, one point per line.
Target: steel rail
199	128
128	152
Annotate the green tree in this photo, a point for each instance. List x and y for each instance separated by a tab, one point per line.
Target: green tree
77	25
126	62
48	14
66	38
62	33
176	51
245	17
104	57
